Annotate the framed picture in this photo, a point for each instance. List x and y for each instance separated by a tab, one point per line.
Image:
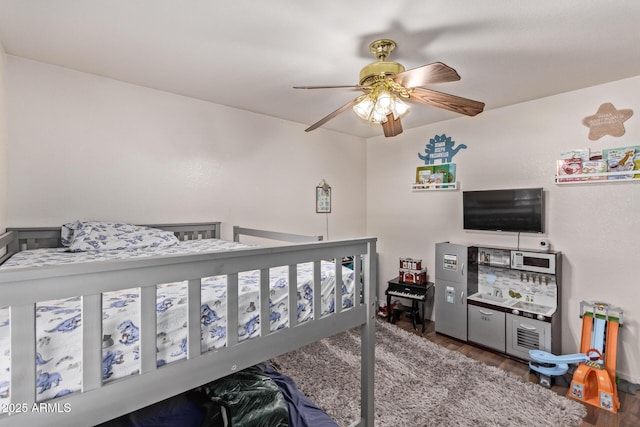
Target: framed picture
323	199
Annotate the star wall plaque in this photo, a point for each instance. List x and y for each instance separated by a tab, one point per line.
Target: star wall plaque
607	121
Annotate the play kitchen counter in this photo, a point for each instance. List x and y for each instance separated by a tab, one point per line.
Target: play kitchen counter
511	303
504	325
534	311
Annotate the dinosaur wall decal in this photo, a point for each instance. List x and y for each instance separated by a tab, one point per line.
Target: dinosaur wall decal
440	147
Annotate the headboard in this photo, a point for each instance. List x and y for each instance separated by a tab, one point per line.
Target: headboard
18	239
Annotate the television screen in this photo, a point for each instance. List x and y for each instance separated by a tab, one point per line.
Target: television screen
518	210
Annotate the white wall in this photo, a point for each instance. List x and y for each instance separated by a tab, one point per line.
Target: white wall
3	144
83	146
595	225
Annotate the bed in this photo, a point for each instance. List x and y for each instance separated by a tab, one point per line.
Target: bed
196	317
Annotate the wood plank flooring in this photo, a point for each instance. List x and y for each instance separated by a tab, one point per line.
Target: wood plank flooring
627	416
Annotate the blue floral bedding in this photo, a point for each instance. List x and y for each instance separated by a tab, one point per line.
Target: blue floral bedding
82	236
58	332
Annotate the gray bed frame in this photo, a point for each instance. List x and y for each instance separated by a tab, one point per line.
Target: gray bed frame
21	288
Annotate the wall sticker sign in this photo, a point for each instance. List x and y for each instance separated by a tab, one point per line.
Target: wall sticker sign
607	121
440	147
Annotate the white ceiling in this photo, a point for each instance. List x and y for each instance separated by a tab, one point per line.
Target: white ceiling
248	54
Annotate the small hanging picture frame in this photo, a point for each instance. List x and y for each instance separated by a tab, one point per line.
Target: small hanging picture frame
323	198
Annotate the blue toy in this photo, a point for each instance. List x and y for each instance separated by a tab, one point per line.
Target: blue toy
550	365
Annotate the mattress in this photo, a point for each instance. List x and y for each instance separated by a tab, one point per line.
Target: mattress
58	332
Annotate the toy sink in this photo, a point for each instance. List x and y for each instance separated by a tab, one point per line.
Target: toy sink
488	297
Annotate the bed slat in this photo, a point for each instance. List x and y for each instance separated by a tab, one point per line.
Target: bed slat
148	324
293	295
317	291
194	299
91	342
23	354
357	277
265	309
8	245
192	231
368	330
338	286
232	301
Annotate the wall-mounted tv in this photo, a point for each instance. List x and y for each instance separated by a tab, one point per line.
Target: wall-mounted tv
516	210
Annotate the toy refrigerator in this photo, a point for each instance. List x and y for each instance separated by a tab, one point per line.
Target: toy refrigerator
456	277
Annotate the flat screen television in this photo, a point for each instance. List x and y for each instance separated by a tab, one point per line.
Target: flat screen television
516	210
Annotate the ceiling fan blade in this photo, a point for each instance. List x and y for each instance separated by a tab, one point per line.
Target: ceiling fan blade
332	115
447	101
330	87
392	127
430	73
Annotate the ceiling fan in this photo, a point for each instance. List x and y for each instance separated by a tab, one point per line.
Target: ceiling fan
386	84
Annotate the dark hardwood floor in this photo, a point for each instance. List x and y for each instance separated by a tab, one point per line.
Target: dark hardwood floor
627	416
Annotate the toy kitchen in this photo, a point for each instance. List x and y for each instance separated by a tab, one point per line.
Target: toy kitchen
503	299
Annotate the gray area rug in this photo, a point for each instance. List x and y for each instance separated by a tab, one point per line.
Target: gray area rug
419	383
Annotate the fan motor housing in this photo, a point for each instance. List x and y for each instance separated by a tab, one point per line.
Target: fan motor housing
379	69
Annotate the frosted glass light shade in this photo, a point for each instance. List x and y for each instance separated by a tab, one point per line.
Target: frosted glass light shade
376	109
363	108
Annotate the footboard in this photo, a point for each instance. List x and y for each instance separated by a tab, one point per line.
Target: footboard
22	288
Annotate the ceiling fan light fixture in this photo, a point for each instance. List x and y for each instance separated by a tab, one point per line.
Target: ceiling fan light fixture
384	100
379	114
376	106
364	107
399	108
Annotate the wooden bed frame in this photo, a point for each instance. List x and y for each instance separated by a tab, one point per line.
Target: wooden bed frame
21	288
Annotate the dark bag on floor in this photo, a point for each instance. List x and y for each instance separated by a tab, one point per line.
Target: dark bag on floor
249	397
